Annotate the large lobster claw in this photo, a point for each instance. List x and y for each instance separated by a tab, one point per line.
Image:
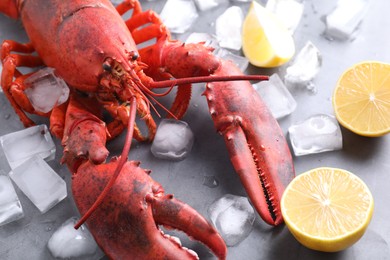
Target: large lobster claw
126	223
257	147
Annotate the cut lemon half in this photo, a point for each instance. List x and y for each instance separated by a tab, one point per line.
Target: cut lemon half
361	99
327	209
266	42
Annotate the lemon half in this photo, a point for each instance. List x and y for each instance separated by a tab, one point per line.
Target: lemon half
361	99
327	209
266	42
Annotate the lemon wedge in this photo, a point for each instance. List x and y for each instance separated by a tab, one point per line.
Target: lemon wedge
266	42
327	209
361	99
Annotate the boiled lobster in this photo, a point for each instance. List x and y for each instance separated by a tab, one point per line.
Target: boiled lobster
93	49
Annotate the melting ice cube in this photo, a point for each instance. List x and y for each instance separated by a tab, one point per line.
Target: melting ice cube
45	90
240	61
345	18
173	140
288	11
178	15
67	242
204	5
10	207
304	68
41	184
22	145
233	216
318	133
276	96
228	28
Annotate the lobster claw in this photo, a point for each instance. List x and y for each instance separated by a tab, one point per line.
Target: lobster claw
257	147
126	223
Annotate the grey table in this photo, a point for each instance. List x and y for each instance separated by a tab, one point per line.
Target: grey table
366	157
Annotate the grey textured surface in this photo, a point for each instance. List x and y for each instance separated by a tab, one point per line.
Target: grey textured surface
366	157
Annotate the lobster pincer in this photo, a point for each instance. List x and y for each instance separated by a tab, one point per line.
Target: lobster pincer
136	206
256	145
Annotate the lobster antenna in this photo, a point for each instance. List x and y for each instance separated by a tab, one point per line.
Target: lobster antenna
150	94
121	162
173	82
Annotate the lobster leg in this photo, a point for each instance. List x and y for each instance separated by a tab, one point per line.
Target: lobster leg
120	113
84	133
9	8
13	89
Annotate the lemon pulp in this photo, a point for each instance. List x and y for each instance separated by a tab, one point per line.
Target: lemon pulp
361	99
327	209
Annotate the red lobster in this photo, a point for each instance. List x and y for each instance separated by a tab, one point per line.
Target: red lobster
94	51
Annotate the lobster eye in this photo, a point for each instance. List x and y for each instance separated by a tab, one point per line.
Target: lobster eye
107	66
135	56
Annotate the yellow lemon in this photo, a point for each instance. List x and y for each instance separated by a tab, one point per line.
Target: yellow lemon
266	42
361	99
327	209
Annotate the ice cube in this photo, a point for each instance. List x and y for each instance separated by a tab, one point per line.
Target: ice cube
178	15
45	90
343	21
228	28
318	133
207	39
241	62
289	12
22	145
40	183
205	5
10	207
173	140
276	96
233	216
67	242
304	68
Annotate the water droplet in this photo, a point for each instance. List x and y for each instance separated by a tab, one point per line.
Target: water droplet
210	181
7	116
